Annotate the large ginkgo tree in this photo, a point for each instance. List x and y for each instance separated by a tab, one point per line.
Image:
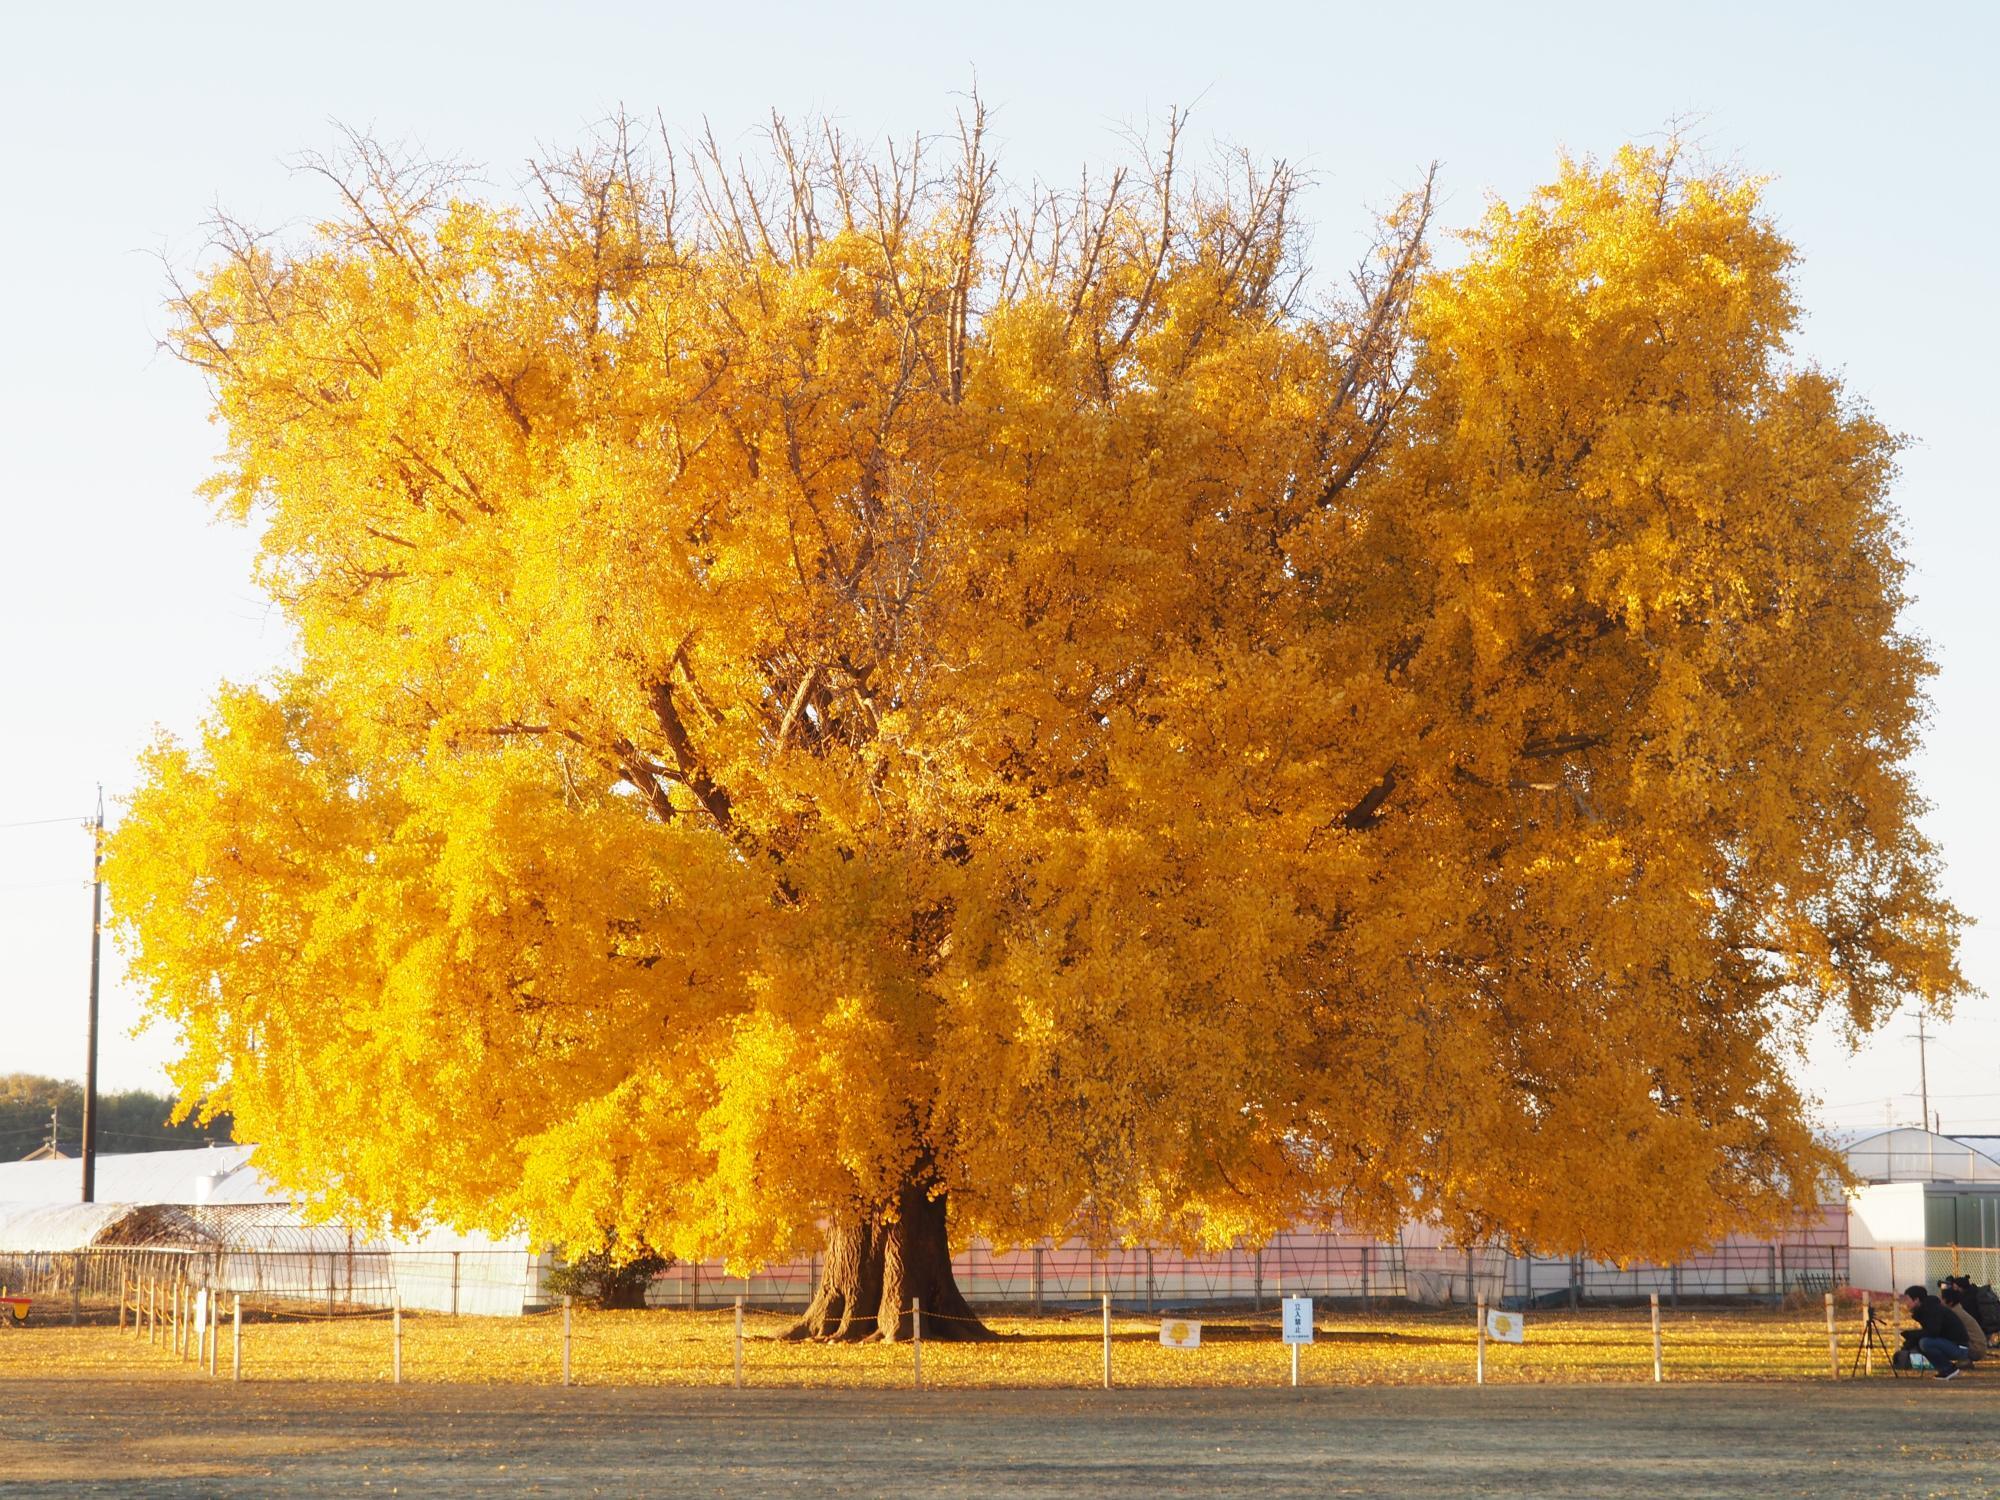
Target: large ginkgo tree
836	692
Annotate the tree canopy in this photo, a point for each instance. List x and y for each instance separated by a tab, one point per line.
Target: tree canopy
838	686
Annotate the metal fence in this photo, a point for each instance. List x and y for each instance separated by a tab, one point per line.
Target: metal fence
329	1280
337	1276
1330	1267
1890	1268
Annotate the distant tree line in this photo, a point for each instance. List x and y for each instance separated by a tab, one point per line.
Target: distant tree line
130	1120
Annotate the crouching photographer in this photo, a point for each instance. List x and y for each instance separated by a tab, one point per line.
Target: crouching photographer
1971	1334
1938	1336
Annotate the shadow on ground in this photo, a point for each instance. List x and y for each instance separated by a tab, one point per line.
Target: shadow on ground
172	1438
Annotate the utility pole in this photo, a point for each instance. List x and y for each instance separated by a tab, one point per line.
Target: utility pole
90	1063
1923	1073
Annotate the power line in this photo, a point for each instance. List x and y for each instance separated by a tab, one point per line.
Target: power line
45	822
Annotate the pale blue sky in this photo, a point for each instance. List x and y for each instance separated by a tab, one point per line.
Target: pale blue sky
121	604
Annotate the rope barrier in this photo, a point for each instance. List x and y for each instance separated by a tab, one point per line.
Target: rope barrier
1625	1344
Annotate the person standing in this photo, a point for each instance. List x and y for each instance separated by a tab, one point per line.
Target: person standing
1939	1336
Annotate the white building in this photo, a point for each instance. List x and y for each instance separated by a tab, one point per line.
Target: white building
1928	1206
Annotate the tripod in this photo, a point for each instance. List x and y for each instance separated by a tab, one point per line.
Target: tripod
1873	1338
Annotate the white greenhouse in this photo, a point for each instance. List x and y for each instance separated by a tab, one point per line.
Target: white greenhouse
209	1214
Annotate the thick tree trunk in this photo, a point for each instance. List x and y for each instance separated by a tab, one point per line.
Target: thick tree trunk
875	1266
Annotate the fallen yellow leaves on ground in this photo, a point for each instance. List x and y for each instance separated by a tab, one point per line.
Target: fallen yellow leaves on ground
696	1349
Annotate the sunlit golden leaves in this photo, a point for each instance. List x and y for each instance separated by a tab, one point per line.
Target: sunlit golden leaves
794	697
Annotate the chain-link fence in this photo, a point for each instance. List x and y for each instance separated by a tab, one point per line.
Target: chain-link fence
326	1270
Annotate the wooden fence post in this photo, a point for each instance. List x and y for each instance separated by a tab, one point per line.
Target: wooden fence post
396	1343
236	1339
1832	1339
1037	1280
916	1340
1656	1337
737	1377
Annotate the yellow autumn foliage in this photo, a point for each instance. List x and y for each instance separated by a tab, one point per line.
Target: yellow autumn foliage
859	677
674	1348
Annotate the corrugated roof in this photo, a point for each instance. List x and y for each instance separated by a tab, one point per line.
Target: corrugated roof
144	1177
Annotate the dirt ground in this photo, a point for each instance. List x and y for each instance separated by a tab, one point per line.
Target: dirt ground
173	1437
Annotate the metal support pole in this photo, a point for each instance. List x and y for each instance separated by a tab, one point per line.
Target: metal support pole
1867	1344
396	1343
1832	1339
89	1143
1295	1364
1037	1281
124	1290
567	1332
917	1340
739	1344
236	1339
1656	1337
1107	1341
1479	1369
